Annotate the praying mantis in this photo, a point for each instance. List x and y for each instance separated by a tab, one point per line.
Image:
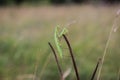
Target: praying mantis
57	35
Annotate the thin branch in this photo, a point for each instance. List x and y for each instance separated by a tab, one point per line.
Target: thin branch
73	60
56	58
96	68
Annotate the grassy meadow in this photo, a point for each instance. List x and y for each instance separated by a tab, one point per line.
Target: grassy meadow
25	33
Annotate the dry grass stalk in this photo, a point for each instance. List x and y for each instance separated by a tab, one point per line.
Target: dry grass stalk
113	29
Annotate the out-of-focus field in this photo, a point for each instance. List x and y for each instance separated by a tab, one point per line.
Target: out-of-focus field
25	32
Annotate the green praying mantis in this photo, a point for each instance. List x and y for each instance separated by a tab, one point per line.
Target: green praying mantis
57	35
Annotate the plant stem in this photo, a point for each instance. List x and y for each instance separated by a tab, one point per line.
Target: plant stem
96	68
118	77
56	58
73	60
44	66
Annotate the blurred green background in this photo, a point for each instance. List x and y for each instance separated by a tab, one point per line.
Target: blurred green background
26	29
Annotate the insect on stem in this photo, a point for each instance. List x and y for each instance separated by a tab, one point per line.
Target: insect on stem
73	60
96	68
56	58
